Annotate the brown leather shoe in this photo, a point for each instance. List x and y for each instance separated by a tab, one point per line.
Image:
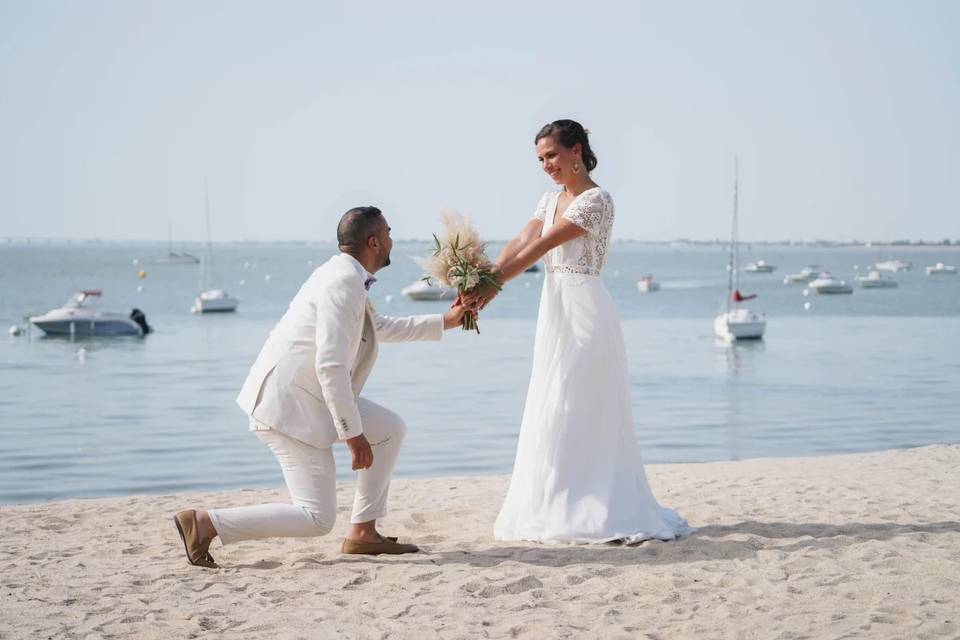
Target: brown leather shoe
386	546
197	549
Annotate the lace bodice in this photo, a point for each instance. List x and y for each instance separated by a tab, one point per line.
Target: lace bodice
591	210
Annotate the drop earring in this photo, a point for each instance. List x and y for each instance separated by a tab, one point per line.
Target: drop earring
576	167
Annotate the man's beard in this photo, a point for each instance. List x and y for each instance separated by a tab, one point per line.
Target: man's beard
386	261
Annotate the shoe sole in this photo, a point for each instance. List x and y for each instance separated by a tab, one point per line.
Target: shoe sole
183	539
378	553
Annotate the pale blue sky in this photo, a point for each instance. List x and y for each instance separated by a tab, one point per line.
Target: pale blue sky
845	115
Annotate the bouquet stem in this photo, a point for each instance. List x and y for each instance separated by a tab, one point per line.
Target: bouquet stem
470	322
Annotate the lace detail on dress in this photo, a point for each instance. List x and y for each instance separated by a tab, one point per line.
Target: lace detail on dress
593	211
569	268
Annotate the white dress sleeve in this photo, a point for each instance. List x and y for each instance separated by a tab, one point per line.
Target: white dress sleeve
587	212
541	212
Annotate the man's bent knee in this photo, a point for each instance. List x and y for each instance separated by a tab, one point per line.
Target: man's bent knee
389	433
322	522
399	429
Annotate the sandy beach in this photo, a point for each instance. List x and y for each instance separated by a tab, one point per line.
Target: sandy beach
850	546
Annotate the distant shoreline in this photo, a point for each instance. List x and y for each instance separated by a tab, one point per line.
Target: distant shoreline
679	243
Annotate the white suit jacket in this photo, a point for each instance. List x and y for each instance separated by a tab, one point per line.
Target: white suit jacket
311	369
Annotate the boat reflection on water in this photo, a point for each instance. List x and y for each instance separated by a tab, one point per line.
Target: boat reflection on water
739	358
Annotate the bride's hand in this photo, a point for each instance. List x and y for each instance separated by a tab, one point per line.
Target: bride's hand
487	295
479	297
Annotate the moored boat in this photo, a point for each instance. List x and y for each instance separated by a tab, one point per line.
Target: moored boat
423	290
874	280
941	269
80	318
827	284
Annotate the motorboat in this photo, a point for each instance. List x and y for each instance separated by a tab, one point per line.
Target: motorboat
214	301
646	284
941	269
808	274
211	299
893	265
423	290
826	283
874	280
759	267
534	268
79	318
737	322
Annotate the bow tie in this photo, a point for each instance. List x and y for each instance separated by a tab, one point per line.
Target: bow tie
369	281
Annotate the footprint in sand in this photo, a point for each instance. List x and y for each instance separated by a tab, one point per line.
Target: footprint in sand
431	539
605	572
512	588
417	520
402	613
356	582
425	577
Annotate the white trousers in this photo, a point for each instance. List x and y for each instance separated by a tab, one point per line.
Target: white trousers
310	475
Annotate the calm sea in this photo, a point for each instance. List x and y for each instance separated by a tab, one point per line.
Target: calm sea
874	370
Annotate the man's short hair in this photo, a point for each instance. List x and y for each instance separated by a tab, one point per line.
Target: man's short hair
356	226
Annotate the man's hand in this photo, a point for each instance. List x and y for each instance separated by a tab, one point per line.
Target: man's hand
454	317
362	453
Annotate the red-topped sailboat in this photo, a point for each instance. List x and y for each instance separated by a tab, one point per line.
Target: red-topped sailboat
737	322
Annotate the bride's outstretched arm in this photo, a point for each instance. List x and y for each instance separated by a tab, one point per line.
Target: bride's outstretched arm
562	231
529	233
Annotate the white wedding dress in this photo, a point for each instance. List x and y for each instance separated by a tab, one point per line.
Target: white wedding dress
578	476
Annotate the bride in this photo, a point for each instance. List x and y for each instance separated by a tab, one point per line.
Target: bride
578	476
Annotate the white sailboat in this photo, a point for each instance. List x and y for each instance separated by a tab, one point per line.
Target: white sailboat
737	322
210	299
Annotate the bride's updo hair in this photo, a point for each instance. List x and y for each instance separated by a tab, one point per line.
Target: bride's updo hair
569	133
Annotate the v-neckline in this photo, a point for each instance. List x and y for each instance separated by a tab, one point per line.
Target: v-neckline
556	203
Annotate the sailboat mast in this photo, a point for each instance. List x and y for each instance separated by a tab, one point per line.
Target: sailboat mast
732	264
736	224
208	272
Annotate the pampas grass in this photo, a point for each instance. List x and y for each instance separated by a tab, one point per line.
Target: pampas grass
459	260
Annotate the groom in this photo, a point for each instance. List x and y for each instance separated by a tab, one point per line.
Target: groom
303	394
